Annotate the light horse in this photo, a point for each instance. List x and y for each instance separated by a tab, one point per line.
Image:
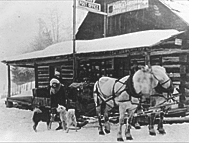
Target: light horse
126	93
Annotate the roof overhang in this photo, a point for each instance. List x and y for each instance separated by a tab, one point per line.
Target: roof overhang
61	52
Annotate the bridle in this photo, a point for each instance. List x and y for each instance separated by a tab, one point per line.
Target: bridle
159	81
159	88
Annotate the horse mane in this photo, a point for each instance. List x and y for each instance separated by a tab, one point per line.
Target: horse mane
157	68
146	68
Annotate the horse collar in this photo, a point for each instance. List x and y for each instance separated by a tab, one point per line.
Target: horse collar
130	88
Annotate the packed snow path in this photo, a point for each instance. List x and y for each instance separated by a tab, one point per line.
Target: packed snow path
16	126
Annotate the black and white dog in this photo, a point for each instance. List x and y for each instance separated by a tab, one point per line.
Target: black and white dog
42	114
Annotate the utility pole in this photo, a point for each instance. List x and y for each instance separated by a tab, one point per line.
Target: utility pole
74	41
105	19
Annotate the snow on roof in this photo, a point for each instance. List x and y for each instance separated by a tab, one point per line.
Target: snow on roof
180	8
126	41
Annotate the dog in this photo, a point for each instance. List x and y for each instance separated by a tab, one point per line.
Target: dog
41	114
68	118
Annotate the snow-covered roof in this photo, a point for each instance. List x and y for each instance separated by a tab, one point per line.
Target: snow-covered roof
132	40
179	7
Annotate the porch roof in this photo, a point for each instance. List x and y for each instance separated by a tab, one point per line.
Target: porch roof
132	40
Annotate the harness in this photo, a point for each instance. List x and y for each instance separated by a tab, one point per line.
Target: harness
128	88
160	89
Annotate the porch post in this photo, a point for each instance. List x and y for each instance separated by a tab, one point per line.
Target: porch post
74	42
36	75
184	68
183	79
9	104
147	57
9	82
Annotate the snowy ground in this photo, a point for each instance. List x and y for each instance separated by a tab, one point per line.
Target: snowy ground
16	126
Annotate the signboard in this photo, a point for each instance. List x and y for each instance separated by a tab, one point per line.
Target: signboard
178	42
89	4
90	1
126	5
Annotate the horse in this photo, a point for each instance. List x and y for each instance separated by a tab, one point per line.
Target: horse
126	93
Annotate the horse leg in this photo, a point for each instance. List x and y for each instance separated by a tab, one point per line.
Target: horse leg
136	123
121	122
98	110
106	124
160	124
151	124
128	127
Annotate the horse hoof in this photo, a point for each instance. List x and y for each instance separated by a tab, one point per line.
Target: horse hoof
129	138
101	133
107	131
137	127
161	131
152	133
120	139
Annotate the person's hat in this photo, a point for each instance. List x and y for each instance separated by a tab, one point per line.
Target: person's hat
54	81
57	73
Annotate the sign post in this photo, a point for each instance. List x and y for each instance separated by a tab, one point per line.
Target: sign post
74	41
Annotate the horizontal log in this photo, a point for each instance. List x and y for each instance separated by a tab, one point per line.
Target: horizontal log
137	59
67	78
165	59
175	75
155	63
175	79
170	63
173	70
67	72
67	66
171	66
43	80
43	67
42	86
43	70
176	82
43	75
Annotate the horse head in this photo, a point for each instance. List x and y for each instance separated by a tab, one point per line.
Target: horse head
143	81
147	80
164	82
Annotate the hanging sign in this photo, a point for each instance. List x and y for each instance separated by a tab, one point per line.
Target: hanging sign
90	1
89	4
178	41
125	6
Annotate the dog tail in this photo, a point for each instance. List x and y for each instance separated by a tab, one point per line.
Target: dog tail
37	110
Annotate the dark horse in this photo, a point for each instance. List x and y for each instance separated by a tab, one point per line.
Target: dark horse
126	93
